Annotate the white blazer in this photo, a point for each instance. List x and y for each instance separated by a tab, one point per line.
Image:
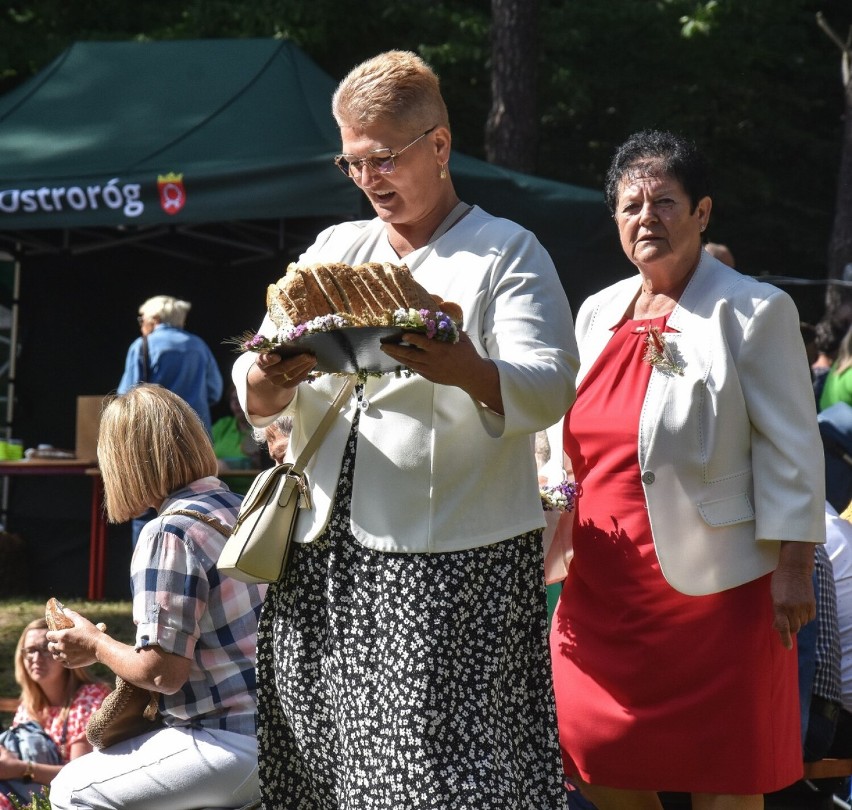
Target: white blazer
729	452
436	471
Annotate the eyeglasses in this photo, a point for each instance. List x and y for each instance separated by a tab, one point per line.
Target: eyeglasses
140	319
379	160
29	652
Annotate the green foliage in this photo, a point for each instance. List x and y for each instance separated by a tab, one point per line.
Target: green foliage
701	21
755	82
38	801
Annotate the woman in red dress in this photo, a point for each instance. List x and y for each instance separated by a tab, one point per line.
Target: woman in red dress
695	442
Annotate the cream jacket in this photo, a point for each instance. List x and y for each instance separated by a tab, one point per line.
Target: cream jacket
436	471
729	453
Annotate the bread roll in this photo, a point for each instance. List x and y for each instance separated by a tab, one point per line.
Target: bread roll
367	294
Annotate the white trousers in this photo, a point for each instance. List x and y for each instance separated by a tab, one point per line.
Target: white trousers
168	769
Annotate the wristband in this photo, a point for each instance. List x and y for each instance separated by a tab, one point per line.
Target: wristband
29	771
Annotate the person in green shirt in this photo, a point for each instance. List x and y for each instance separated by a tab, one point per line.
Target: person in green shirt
838	382
236	447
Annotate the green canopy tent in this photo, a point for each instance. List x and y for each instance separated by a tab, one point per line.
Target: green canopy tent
119	143
197	169
216	153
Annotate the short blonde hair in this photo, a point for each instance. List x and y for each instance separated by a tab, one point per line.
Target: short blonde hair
395	86
166	309
151	443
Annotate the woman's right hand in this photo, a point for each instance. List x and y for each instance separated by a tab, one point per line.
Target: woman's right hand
792	590
285	372
272	381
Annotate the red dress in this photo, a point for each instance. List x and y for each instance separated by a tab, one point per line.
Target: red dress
656	690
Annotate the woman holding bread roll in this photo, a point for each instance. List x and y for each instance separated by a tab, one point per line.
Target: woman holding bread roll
402	660
196	630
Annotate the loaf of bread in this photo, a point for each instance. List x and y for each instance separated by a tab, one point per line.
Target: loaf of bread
365	294
54	615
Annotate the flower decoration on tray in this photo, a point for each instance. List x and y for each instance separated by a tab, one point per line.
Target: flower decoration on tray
559	497
343	314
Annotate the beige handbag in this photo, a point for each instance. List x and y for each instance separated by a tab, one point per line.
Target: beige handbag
128	711
259	546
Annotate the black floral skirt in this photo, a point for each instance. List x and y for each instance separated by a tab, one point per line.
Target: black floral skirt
406	681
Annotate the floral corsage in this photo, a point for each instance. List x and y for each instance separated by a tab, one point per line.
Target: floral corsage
559	497
435	324
660	354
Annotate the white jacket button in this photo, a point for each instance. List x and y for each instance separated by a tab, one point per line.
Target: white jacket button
648	477
364	404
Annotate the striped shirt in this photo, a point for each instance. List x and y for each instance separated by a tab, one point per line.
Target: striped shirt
183	605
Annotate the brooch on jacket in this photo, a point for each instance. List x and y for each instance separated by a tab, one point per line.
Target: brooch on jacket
660	354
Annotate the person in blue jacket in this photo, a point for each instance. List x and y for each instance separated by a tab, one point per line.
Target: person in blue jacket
168	355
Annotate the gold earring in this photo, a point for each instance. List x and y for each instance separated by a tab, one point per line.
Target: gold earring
443	171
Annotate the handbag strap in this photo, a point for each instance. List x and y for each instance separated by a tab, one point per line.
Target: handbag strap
146	362
319	434
208	519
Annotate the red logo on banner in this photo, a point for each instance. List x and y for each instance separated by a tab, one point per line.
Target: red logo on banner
172	192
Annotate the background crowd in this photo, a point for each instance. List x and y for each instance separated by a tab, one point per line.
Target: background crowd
699	643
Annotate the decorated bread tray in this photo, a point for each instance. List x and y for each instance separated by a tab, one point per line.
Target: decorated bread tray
349	350
343	347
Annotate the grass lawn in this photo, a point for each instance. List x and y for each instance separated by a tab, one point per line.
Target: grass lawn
15	614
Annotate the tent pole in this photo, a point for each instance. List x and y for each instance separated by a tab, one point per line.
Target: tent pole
10	387
13	343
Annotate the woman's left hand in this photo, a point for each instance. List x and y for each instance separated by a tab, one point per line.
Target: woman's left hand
10	765
447	363
76	646
792	590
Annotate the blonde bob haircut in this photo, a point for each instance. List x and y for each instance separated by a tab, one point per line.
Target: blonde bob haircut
151	443
166	309
395	87
33	698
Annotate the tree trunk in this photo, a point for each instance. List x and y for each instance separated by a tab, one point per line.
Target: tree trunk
840	245
511	130
838	299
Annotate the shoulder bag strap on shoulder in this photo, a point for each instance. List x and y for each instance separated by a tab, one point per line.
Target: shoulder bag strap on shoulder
208	519
319	434
146	362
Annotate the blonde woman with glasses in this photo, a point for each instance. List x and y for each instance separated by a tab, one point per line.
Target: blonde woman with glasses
60	701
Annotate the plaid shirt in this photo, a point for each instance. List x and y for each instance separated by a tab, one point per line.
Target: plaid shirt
827	676
181	604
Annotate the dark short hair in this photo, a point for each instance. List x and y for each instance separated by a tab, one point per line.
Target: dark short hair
808	331
829	332
662	153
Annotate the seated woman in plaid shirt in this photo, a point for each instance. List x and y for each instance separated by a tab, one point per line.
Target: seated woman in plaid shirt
195	631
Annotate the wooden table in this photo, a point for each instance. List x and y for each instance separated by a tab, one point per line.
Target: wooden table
97	533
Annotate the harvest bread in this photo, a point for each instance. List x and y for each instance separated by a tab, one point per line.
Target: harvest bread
367	294
54	615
